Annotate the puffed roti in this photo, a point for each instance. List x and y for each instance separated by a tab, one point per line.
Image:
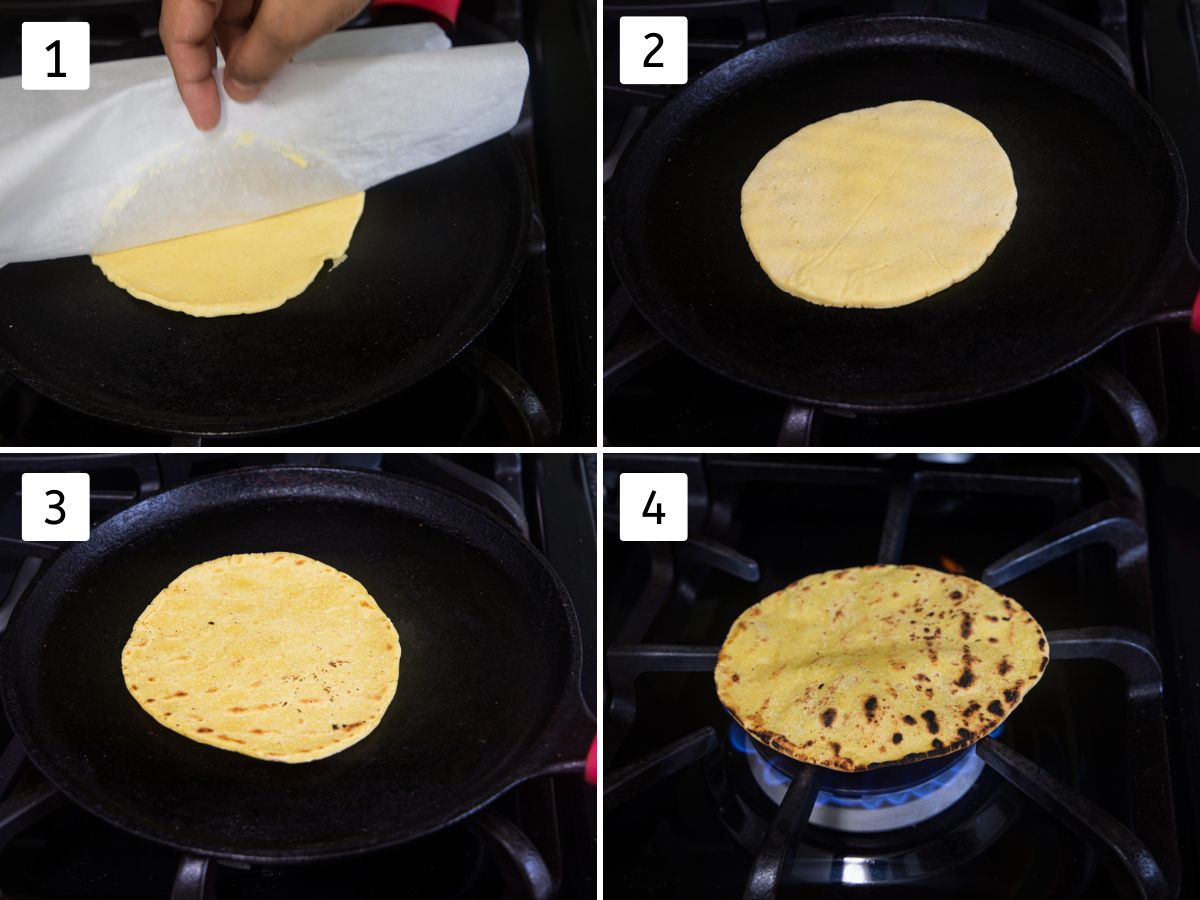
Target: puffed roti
876	666
273	655
879	207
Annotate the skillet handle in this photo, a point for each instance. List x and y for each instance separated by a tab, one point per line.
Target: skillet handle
563	747
1177	292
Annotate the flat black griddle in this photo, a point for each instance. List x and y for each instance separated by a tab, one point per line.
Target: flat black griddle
488	692
434	256
1096	248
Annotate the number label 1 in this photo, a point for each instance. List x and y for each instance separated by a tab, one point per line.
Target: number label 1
57	73
56	56
654	49
654	506
56	506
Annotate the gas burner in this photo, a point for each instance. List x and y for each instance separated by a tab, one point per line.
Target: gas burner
870	811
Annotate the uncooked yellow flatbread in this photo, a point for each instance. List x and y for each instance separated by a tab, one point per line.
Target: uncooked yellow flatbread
273	655
859	668
879	207
242	269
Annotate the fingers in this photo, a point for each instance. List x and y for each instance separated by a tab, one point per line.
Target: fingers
280	29
186	28
232	23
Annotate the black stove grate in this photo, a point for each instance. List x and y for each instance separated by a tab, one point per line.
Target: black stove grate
1144	847
532	843
1142	391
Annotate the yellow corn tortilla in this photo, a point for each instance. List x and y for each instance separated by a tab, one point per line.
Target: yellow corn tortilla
242	269
859	668
879	207
273	655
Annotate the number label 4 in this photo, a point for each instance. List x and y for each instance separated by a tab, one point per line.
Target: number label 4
654	506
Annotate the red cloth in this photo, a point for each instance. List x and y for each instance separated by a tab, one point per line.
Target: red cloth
447	9
589	770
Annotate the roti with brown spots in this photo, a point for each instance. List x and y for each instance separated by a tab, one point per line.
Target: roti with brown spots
859	668
273	655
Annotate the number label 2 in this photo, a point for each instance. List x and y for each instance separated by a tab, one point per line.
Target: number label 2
649	56
653	49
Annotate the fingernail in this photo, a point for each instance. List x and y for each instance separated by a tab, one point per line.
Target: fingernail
241	89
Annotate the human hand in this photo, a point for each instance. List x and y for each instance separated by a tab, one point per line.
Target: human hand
256	36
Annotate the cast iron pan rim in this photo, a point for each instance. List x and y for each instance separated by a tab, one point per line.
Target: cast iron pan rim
930	399
76	789
399	380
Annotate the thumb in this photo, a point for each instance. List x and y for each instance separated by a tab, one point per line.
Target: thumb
280	29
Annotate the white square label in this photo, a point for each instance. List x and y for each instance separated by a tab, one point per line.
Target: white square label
654	49
56	506
654	506
55	56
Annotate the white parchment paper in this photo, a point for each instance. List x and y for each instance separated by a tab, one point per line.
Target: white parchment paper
121	164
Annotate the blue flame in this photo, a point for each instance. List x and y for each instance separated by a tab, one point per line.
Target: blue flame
742	742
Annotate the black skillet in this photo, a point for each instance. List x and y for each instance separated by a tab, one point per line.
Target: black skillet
488	693
434	257
1096	248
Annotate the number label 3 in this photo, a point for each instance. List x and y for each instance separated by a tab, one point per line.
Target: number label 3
654	49
56	506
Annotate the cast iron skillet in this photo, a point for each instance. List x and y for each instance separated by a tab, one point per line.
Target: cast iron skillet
434	257
488	691
1096	248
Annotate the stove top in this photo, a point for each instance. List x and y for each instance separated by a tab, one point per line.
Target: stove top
538	841
1140	391
529	379
1088	790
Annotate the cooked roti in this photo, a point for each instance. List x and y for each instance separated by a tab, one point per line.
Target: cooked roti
879	207
241	269
859	668
273	655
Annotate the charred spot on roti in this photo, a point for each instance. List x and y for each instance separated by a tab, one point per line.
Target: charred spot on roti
1045	659
1011	696
1041	643
1005	666
931	721
828	716
936	744
909	720
971	709
897	738
965	679
995	708
869	706
736	677
965	733
203	730
956	595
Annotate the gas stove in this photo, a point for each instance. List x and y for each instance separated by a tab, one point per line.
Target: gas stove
1142	390
1088	790
529	379
538	841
